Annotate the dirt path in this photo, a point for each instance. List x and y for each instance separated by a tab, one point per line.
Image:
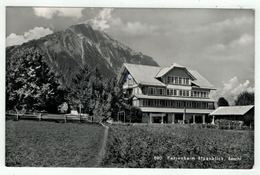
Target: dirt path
102	151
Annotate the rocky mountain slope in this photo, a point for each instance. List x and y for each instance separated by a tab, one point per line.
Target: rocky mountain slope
70	50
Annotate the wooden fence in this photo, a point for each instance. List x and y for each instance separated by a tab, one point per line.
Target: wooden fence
49	117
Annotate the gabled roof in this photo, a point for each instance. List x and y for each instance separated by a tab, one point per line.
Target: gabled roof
165	70
232	110
144	74
200	80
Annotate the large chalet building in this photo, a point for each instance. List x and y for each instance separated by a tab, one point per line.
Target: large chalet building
171	94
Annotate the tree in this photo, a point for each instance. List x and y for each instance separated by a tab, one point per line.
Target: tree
93	92
135	114
245	98
80	89
222	102
30	84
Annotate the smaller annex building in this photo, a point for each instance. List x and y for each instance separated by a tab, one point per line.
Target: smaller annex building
235	113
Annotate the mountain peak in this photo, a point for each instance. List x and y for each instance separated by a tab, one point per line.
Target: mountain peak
81	45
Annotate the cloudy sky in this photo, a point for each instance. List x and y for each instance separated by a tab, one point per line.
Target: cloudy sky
219	43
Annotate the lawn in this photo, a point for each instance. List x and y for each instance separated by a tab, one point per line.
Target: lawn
49	144
178	146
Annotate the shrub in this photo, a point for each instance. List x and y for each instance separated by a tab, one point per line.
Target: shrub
229	124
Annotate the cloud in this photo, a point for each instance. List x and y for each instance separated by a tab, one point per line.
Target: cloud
104	20
244	40
133	28
101	21
138	28
34	33
48	13
226	24
237	49
232	89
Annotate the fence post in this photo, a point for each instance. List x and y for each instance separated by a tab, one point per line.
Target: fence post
65	118
40	116
17	116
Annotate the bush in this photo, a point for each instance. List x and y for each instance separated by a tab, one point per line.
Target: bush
229	124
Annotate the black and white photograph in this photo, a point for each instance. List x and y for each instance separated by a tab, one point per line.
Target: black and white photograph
112	87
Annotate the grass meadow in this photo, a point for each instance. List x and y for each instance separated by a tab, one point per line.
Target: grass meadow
50	144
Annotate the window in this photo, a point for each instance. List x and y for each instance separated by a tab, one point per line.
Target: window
144	102
152	91
168	103
199	94
176	80
197	104
169	79
178	104
172	103
188	104
168	92
203	105
182	104
171	92
180	92
180	80
161	103
156	91
210	106
160	91
175	92
187	81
